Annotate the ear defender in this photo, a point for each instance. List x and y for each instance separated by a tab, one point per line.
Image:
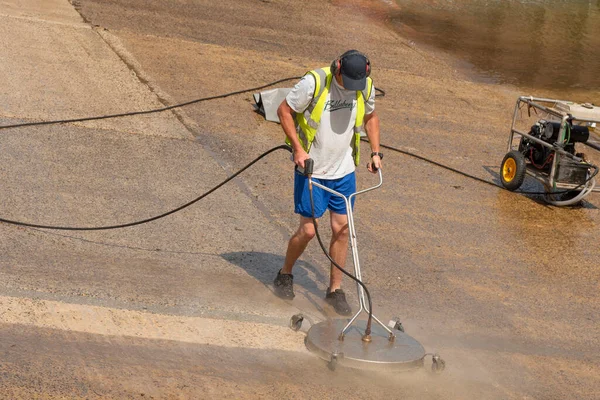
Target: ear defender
336	65
368	67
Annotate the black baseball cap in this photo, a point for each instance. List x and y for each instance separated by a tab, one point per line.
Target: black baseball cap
354	70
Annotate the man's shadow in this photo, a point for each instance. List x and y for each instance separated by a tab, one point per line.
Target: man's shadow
264	267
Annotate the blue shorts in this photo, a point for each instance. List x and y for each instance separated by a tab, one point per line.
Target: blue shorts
323	199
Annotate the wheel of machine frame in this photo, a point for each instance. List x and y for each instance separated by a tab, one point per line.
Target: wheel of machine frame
512	170
296	322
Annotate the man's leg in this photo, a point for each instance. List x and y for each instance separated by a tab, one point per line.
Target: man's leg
298	243
284	281
338	248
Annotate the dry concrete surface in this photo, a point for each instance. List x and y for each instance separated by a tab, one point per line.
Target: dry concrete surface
503	286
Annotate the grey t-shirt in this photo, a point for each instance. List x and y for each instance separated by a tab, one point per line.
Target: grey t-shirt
332	148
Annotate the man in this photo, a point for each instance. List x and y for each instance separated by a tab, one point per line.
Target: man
322	117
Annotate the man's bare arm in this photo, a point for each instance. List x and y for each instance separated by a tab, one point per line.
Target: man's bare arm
372	128
286	117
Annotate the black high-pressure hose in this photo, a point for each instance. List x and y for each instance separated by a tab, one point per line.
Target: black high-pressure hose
408	153
143	221
281	147
156	110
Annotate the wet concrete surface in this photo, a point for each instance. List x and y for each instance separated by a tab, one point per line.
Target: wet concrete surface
503	286
514	42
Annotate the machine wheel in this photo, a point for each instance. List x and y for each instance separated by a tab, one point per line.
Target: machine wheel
332	364
512	170
396	324
437	364
296	322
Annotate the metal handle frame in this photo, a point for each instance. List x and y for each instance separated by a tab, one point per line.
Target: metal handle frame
354	246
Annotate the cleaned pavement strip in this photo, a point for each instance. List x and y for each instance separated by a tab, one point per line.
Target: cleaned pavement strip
118	322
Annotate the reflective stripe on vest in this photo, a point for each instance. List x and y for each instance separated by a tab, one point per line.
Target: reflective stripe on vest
308	121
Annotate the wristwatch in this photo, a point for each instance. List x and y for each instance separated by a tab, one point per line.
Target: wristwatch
376	153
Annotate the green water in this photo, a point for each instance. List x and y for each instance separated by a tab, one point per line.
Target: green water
538	44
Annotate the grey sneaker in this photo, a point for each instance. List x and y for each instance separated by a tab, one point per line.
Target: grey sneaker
338	300
284	285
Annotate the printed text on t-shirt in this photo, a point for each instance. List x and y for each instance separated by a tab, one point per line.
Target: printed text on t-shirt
334	105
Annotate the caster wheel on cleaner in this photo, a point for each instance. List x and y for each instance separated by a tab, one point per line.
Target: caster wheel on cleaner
296	322
437	364
396	324
332	364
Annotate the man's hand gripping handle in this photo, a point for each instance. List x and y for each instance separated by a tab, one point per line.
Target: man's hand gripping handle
308	167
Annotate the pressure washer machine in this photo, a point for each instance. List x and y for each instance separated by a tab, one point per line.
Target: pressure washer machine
355	343
547	151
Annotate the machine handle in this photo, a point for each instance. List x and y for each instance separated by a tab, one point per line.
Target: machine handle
309	163
374	168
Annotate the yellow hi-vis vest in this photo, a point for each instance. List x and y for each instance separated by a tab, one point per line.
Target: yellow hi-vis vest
308	121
